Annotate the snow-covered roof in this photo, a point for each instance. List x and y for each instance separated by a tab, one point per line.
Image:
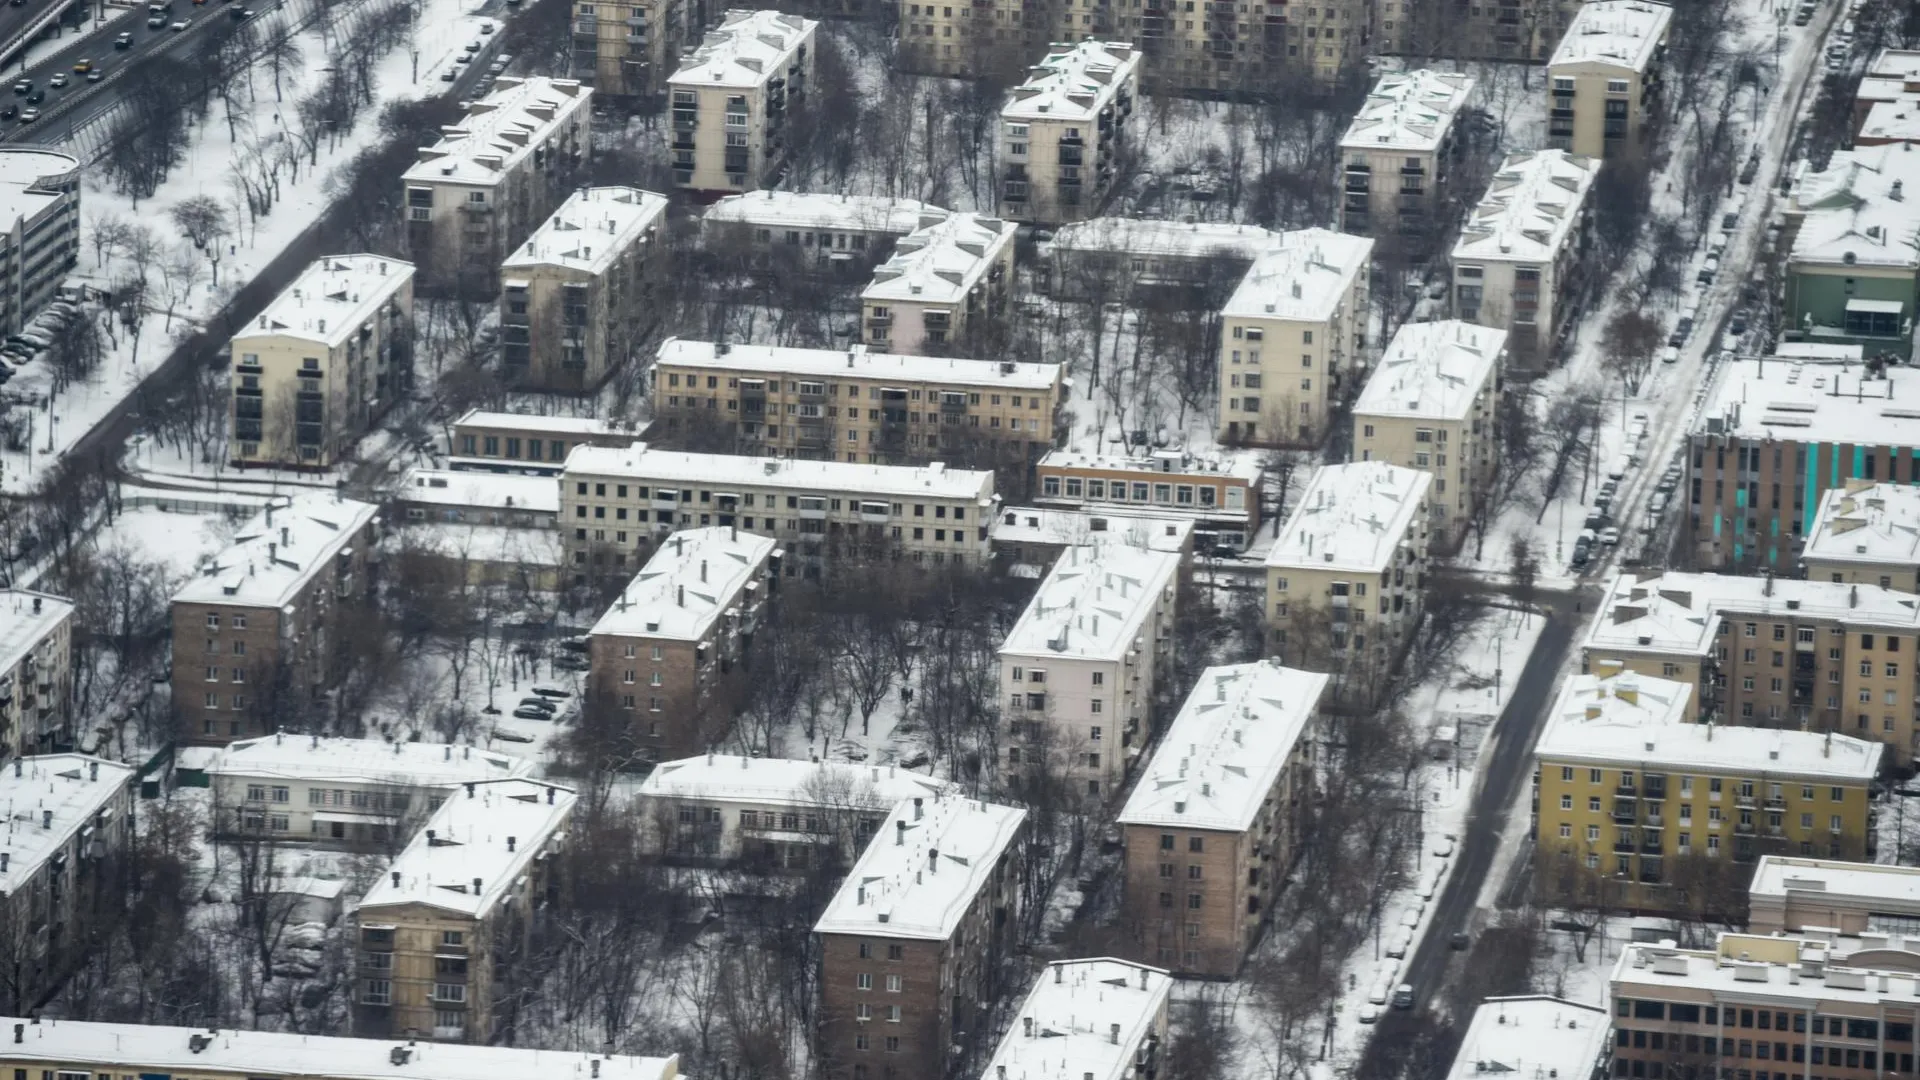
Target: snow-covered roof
1532	1038
1232	739
1073	82
1633	720
1895	64
371	761
1809	966
1859	210
1529	209
519	116
1813	402
674	466
48	799
1083	1019
744	51
1432	370
803	210
694	577
471	853
26	618
579	427
1781	875
278	551
1304	280
1092	603
1411	110
939	263
478	488
1896	118
22	170
1620	33
151	1048
787	782
590	230
1177	239
1176	463
922	870
1046	525
1866	522
856	362
330	300
1352	517
1679	612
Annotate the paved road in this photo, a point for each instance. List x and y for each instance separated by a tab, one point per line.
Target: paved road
19	26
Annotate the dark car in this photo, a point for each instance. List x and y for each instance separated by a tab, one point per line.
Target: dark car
531	714
1738	323
9	112
36	97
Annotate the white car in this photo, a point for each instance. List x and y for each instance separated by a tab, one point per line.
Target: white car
1369	1014
1442	846
1610	536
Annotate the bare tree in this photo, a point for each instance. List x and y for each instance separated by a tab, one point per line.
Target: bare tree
1629	346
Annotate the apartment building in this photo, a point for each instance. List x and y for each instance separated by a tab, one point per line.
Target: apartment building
1219	493
771	814
457	905
1626	790
940	280
1535	1035
789	230
912	945
1097	1017
731	99
1080	670
1866	532
36	672
334	792
1772	652
1862	900
1224	797
616	501
667	657
521	443
1062	129
39	230
625	50
1504	31
323	362
258	634
807	402
577	300
69	818
1344	576
1292	328
1604	79
1853	252
1028	540
1774	436
69	1047
1433	403
492	178
1889	88
1396	154
1105	257
1519	262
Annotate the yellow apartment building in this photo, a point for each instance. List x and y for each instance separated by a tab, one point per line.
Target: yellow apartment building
1396	152
1603	80
941	279
733	98
1518	262
1866	533
1063	128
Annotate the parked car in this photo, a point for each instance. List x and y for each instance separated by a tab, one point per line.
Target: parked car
1403	996
1597	521
1738	323
570	662
531	714
539	703
1658	502
449	75
555	692
486	28
1609	536
1670	355
1728	222
1582	552
9	112
1459	941
1369	1014
575	644
1708	270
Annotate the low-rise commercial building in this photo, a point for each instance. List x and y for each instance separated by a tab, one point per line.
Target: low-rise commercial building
790	230
1219	493
323	362
39	229
912	945
1536	1036
942	279
1099	1017
1396	153
36	672
1790	895
1892	84
1866	532
1604	79
577	300
1224	797
1519	262
1852	239
458	902
480	528
732	99
510	442
460	496
1027	540
1063	128
1433	403
1114	257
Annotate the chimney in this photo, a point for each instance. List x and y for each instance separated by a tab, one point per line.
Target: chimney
703	571
5	858
1143	978
681	597
396	879
1059	974
20	1035
1027	1022
510	842
93	770
1113	1034
899	833
46	819
916	808
472	789
595	1064
549	796
476	886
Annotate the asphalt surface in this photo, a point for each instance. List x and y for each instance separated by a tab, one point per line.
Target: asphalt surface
16	21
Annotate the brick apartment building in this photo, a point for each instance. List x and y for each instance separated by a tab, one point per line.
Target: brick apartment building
36	672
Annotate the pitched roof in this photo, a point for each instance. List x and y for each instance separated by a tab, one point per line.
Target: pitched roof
472	852
1410	110
1092	603
1352	517
1529	209
745	50
923	869
1073	82
278	551
941	261
1432	370
1305	279
694	577
1621	33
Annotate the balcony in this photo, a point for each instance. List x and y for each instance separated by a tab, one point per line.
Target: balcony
1625	791
1624	847
1624	811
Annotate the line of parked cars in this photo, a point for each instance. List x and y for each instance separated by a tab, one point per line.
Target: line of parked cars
542	704
38	334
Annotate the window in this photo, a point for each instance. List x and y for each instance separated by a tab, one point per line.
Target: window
378	992
1196	844
864	980
893	984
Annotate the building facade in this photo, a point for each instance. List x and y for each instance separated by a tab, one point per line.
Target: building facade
625	50
798	231
530	445
1604	79
1219	493
40	242
1866	532
36	672
1518	263
1063	128
942	279
1396	154
1791	895
733	99
1853	252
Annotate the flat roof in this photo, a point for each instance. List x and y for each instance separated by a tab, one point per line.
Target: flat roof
500	130
1804	967
1866	522
719	470
922	870
1621	33
1532	1037
590	230
857	362
460	860
579	426
1678	612
1797	401
746	50
49	799
178	1050
1231	740
1855	212
1897	117
1432	370
1048	525
331	299
1175	239
1351	517
1092	603
939	263
812	210
23	625
1073	82
370	761
694	577
1410	110
479	488
1082	1019
732	778
1176	463
278	551
23	172
1304	280
1529	209
1634	720
1895	64
1781	875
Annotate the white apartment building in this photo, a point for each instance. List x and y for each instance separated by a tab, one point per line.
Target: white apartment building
1433	403
577	299
1079	671
793	228
731	99
1604	78
36	672
1517	264
940	277
39	229
1866	532
1113	256
1396	152
1292	328
1098	1017
342	792
322	362
492	178
1062	128
1535	1036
